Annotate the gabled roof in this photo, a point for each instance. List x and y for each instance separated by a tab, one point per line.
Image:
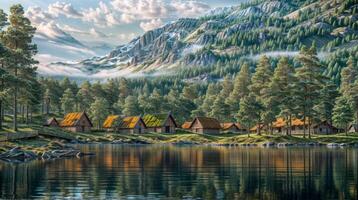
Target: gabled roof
281	122
207	122
326	123
228	125
157	120
71	119
186	125
122	122
354	126
110	120
49	121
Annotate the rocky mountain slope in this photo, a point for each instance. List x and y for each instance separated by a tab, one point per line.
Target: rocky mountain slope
230	33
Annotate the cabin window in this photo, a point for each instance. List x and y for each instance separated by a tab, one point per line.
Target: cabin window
167	129
140	130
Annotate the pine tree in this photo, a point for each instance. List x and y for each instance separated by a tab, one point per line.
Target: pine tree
131	106
241	84
262	77
84	97
18	39
310	80
99	111
284	91
327	97
349	74
190	92
67	101
259	83
342	113
353	97
248	114
220	109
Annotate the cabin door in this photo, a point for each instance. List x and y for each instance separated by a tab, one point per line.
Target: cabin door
167	129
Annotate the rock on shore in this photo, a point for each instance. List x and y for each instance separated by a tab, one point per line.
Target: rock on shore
17	155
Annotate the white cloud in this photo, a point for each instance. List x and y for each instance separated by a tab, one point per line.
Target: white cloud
152	24
190	8
50	30
72	29
132	10
97	33
142	9
66	9
38	16
101	16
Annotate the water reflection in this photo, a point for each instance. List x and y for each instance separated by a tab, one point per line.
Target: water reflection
188	172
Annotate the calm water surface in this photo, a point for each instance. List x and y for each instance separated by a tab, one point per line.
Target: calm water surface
187	172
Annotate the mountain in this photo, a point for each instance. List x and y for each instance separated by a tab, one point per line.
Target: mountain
226	35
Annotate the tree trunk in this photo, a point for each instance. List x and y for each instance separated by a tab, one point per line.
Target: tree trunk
48	106
1	114
309	128
23	113
15	108
304	126
259	130
27	114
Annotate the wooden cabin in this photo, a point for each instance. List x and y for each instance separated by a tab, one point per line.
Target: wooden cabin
205	125
230	127
353	128
325	127
160	123
76	122
186	125
280	126
127	125
52	122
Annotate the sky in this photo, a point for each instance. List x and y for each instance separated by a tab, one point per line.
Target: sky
110	22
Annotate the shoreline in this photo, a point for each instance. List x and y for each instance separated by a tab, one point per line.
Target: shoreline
56	144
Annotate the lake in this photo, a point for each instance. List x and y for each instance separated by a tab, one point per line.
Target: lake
188	172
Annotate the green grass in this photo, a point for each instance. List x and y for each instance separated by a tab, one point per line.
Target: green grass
54	136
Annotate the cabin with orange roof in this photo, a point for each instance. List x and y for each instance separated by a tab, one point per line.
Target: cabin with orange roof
127	125
230	127
297	125
186	125
76	122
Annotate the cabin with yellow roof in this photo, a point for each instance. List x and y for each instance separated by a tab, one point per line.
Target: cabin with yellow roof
76	122
122	124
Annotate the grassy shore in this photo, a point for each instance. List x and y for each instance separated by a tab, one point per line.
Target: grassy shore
53	138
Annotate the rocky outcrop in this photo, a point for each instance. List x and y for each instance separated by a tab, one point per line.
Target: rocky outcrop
18	155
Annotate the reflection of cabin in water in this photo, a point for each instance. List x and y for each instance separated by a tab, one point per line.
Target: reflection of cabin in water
52	122
76	122
120	124
160	123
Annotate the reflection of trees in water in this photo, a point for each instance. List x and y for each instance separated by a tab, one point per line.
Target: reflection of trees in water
207	172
